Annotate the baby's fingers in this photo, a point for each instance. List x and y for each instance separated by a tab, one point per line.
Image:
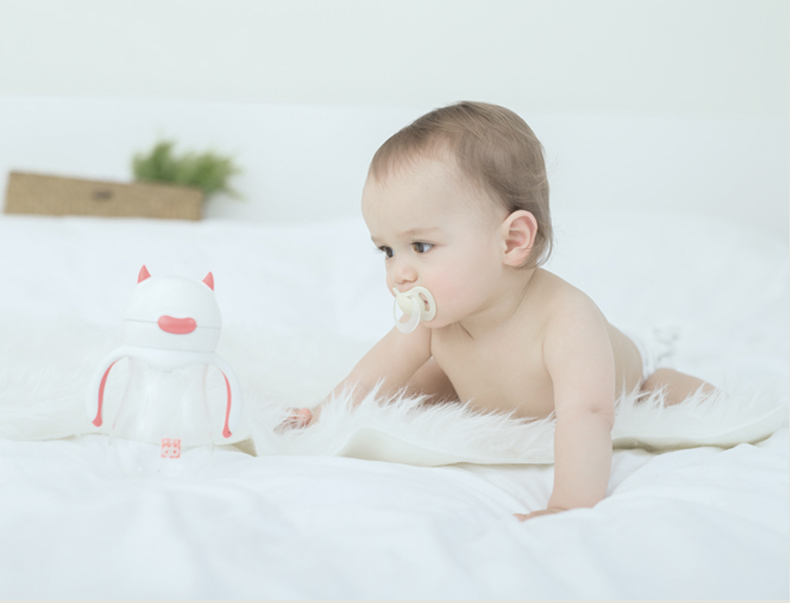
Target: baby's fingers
296	419
525	517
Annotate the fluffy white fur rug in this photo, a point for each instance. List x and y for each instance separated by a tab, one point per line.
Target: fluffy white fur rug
44	375
405	430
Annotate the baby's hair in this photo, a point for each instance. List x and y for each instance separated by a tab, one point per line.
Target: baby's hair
494	148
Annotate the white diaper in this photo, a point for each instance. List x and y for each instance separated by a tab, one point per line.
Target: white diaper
656	347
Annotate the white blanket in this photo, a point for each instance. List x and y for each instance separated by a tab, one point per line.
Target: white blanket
300	305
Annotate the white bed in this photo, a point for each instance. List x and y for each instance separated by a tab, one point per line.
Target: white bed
700	522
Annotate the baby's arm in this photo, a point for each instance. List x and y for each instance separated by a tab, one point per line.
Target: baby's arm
393	361
579	358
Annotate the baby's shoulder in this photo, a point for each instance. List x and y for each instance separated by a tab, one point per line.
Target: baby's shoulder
557	293
564	303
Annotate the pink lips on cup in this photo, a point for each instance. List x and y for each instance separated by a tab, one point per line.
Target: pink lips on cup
177	326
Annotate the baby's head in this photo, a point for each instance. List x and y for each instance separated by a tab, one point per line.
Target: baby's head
492	149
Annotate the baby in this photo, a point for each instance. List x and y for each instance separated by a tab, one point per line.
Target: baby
458	204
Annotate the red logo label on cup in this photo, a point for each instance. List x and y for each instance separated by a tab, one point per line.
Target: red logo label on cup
171	448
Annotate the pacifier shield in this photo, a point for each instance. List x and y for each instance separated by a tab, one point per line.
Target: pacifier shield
417	303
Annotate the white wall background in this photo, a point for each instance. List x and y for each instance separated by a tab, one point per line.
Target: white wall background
635	93
654	56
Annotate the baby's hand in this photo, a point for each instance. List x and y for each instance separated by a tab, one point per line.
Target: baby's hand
549	511
297	419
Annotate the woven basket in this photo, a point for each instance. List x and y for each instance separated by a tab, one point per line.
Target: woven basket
56	196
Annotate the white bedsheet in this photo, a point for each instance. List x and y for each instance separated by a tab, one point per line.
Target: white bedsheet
700	523
696	523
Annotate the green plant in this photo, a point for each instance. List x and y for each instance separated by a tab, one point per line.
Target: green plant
207	171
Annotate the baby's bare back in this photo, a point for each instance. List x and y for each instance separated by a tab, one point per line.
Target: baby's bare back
505	370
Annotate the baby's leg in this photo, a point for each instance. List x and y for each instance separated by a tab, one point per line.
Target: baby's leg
679	386
431	380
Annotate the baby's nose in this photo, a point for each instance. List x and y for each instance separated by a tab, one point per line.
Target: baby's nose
403	273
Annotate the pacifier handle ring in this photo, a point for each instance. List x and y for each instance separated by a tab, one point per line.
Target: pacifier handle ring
416	294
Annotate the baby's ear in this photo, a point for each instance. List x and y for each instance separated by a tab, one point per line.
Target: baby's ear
519	231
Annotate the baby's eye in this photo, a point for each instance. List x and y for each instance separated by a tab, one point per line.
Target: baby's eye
387	251
421	247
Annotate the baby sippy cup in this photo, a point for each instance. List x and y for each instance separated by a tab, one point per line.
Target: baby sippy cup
163	425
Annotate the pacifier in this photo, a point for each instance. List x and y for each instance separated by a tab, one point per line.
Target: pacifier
417	303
